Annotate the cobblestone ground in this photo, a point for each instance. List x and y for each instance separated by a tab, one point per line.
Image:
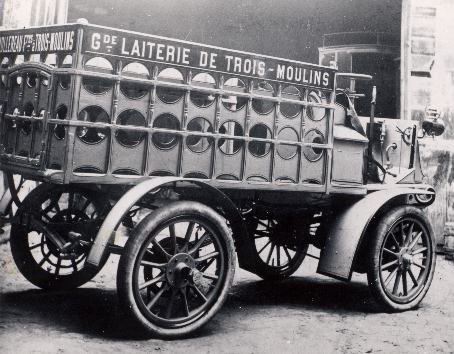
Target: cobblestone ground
305	314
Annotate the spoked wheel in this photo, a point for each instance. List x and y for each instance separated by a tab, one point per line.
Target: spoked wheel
280	246
176	269
401	259
71	214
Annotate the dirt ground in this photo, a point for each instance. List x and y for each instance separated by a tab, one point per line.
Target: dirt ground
305	314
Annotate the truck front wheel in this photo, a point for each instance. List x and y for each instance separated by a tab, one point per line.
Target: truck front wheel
401	259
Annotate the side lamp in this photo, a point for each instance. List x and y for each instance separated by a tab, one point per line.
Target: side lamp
432	124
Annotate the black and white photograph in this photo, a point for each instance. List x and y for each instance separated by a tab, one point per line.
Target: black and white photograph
226	176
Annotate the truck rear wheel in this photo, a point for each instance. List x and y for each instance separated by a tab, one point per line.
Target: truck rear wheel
280	247
176	269
401	259
61	210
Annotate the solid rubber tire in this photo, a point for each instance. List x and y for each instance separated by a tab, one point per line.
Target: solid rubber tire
373	261
140	235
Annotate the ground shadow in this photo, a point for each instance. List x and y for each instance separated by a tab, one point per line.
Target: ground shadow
95	312
310	293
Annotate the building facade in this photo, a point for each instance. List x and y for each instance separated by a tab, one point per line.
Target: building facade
28	13
427	80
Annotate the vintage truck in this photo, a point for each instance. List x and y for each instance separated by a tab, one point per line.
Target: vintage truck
182	157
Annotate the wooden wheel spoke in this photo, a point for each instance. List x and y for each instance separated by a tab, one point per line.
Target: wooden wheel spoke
198	292
419	250
404	283
35	246
389	264
173	238
415	240
390	252
261	233
188	234
169	308
153	264
71	200
46	210
266	245
205	257
158	279
270	253
260	236
278	256
74	264
150	253
210	276
260	222
185	302
394	239
58	266
397	282
161	250
419	265
53	204
45	258
409	234
198	244
390	277
155	299
413	278
85	206
208	262
287	253
47	217
402	233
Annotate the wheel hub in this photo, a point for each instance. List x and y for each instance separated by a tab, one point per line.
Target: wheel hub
282	234
179	271
75	244
405	258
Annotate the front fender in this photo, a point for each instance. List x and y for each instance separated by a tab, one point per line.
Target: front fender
132	196
346	232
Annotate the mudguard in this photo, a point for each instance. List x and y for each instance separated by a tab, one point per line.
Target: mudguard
130	198
348	229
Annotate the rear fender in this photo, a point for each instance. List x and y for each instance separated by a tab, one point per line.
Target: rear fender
218	199
348	229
